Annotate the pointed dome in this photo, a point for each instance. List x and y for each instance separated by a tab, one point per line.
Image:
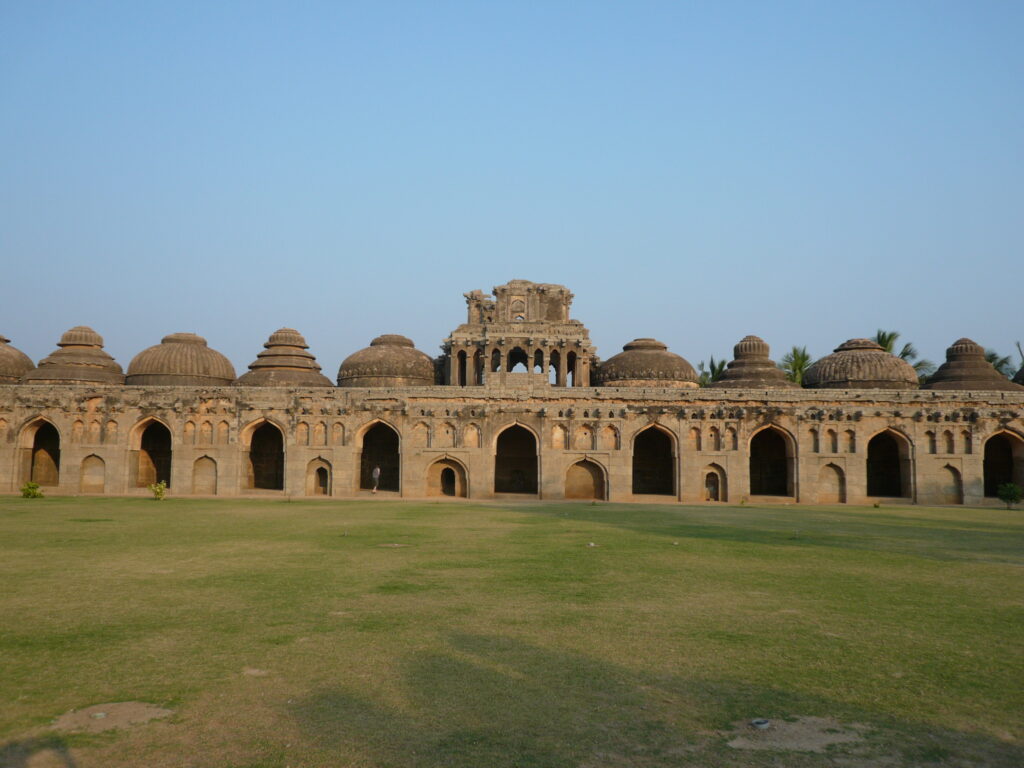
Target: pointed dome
752	369
861	364
180	360
284	362
390	361
13	362
646	363
967	368
79	359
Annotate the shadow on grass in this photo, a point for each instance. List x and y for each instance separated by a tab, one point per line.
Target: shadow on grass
493	701
50	751
939	537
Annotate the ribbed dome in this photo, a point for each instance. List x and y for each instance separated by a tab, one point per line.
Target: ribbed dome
79	359
390	361
752	369
13	362
180	360
284	362
646	363
1019	378
967	368
861	364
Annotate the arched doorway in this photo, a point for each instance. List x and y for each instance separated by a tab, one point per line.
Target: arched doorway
515	461
380	449
654	464
266	458
770	464
204	476
154	455
1003	462
951	487
94	471
714	483
831	485
887	475
584	480
45	466
446	477
318	478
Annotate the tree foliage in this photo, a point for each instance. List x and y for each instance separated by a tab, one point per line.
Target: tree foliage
887	341
709	372
1010	494
795	363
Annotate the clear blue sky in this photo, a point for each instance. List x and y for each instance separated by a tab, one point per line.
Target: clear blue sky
805	171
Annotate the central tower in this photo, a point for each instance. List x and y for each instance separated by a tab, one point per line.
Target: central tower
522	335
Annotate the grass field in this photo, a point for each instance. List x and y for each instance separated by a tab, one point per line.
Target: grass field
377	633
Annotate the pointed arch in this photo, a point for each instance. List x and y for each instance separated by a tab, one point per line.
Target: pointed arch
41	440
951	485
516	460
264	440
585	480
447	477
318	477
609	438
1003	461
419	435
772	452
517	357
831	485
583	439
654	461
204	476
94	474
471	436
715	483
559	437
380	447
888	465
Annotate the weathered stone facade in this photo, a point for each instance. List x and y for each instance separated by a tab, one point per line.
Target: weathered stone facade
489	431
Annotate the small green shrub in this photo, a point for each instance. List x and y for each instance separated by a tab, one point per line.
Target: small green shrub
31	490
159	490
1010	494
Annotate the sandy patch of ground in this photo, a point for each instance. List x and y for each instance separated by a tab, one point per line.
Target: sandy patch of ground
803	734
105	717
254	672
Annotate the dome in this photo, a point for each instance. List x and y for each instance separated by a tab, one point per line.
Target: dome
180	360
13	362
861	364
967	368
390	361
646	363
752	369
1019	378
78	359
284	362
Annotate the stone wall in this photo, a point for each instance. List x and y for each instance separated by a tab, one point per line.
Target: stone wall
448	437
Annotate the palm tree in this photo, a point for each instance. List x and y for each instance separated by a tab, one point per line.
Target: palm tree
1002	364
795	363
887	341
713	371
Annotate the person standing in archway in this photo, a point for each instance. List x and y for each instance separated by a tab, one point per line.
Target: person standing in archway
376	477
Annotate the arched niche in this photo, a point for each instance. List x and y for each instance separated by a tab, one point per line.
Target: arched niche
951	485
43	453
715	484
654	463
94	475
515	461
153	463
831	485
585	480
266	457
318	477
204	476
447	477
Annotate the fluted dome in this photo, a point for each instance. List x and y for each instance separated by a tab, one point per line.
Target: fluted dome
752	369
646	363
78	359
390	361
1019	378
180	360
967	368
284	362
13	362
861	364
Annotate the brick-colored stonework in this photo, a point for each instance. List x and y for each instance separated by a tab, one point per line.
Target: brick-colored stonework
488	431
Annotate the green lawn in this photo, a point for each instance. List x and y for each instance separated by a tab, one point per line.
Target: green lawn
433	635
